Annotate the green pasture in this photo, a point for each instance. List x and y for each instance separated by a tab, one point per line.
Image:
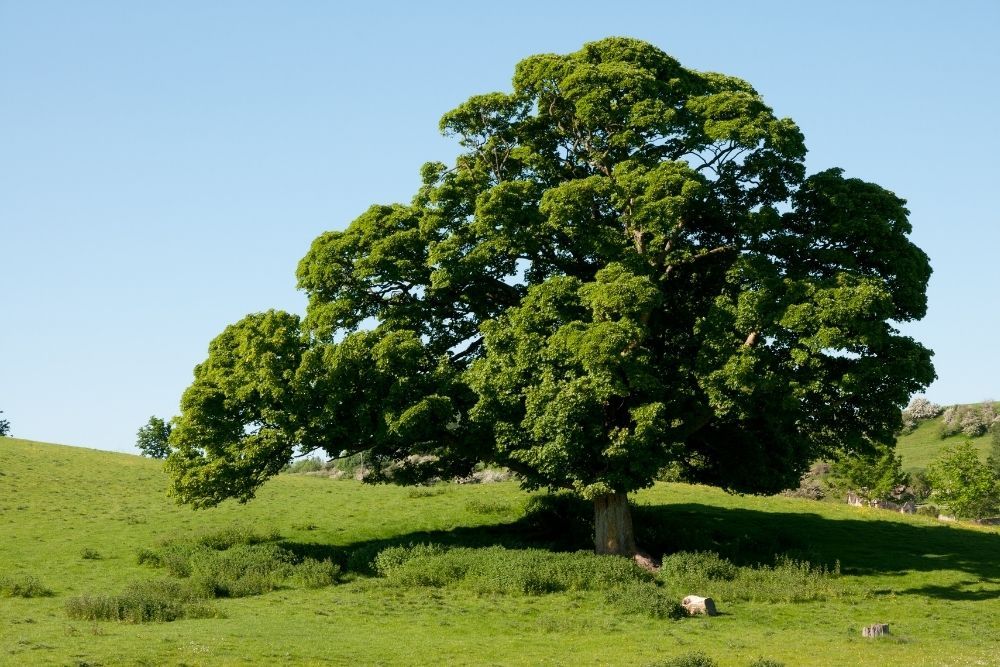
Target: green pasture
925	444
76	519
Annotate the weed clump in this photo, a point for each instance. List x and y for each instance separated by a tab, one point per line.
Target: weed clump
644	598
695	659
233	562
496	570
487	507
239	571
237	562
234	535
141	602
499	570
22	586
787	580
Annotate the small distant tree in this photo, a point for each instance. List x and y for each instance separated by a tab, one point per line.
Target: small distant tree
918	410
920	486
153	438
960	480
4	426
877	476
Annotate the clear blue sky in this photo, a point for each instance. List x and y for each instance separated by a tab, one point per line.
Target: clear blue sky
164	165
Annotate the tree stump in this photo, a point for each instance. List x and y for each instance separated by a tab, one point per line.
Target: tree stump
875	630
695	605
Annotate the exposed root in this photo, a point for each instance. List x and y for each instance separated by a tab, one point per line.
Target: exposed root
646	562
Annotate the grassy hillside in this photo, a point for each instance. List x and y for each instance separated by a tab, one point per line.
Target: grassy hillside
75	519
925	444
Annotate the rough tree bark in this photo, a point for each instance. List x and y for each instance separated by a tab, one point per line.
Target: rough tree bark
613	532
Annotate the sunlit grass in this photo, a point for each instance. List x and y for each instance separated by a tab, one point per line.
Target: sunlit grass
937	585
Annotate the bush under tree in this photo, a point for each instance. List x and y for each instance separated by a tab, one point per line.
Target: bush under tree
627	268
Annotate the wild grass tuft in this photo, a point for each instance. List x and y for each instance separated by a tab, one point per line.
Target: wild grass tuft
312	573
497	570
237	562
479	506
141	602
22	586
234	535
426	491
240	571
645	598
788	580
695	659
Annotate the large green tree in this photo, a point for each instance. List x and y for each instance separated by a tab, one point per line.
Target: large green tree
626	267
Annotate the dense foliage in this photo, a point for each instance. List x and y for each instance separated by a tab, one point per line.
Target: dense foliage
627	267
994	458
874	477
971	420
153	438
961	481
4	426
919	409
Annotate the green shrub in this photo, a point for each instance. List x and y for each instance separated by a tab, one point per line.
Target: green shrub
141	602
496	570
90	554
147	556
348	466
311	464
22	586
312	573
696	659
477	506
963	483
645	598
787	580
697	567
234	535
426	491
499	570
929	510
237	562
240	571
176	558
766	662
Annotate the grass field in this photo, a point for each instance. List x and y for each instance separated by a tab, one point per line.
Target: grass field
924	444
75	520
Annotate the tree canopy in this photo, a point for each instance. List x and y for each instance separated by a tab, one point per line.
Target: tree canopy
626	267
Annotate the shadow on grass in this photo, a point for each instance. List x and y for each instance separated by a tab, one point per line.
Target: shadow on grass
744	536
863	546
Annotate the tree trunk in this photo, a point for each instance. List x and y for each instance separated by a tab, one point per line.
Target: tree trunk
613	525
